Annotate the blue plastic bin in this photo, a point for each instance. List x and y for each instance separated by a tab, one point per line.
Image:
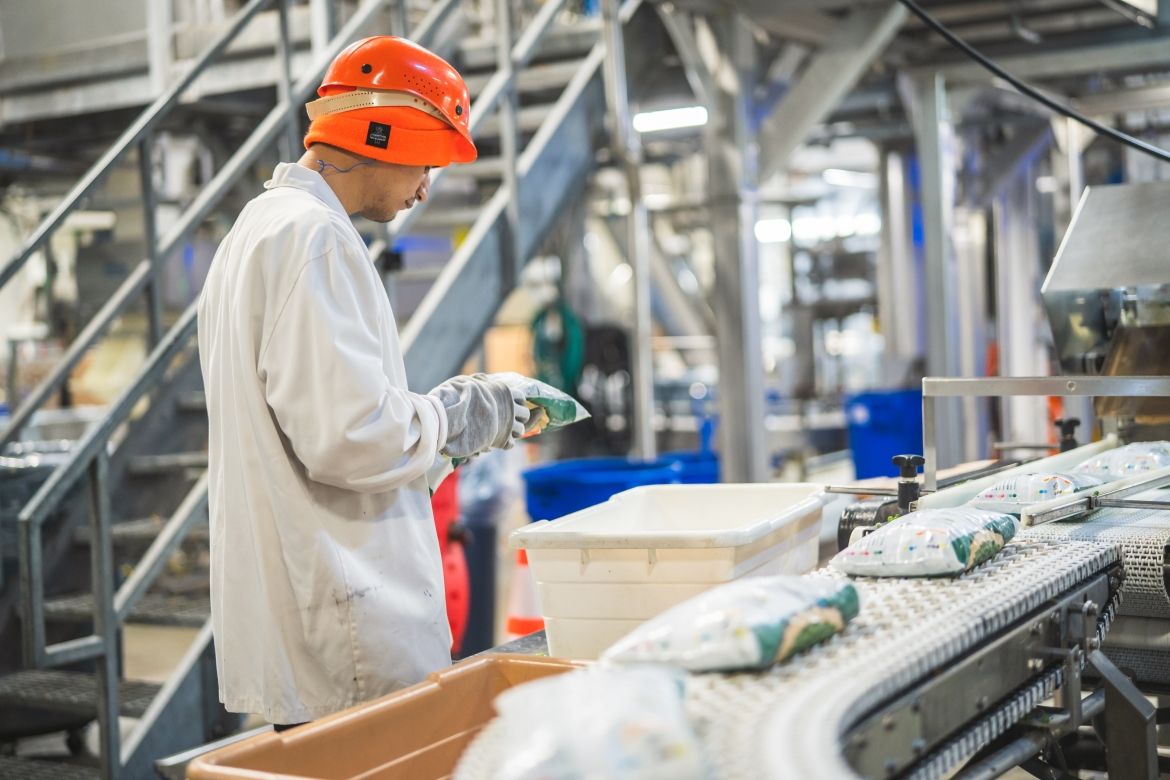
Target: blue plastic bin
882	424
698	468
562	488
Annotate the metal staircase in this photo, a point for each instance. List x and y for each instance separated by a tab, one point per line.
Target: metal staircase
97	541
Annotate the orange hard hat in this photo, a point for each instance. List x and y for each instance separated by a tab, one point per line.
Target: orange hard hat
389	99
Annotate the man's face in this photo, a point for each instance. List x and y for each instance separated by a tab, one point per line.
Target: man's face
390	188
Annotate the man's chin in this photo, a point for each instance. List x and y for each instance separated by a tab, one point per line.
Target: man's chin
379	216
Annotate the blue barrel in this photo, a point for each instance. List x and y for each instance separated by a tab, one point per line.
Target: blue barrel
882	424
562	488
698	468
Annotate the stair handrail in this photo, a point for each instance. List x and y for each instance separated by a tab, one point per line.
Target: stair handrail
142	125
95	442
208	198
146	274
91	456
86	452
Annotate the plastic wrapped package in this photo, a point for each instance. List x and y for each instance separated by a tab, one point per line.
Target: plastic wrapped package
747	624
929	543
551	407
599	724
1127	461
1011	494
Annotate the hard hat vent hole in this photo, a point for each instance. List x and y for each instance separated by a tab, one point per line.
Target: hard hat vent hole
367	68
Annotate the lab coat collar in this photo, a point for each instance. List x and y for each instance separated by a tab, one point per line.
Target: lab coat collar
301	178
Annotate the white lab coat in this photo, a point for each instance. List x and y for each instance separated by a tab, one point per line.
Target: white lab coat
326	579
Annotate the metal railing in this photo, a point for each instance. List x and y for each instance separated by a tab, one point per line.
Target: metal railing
145	276
936	388
90	457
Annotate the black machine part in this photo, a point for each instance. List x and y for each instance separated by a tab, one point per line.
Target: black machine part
871	514
908	488
1068	428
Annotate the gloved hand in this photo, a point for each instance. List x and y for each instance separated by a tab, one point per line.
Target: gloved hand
482	413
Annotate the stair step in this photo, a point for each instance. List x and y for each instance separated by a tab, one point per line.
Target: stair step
42	769
534	78
73	692
562	40
194	401
528	120
418	275
483	168
148	465
153	609
448	218
142	532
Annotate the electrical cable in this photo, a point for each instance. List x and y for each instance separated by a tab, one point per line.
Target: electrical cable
1032	92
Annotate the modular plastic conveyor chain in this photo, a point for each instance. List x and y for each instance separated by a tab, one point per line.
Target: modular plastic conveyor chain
798	719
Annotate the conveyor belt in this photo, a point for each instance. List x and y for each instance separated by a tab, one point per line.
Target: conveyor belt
1143	535
792	721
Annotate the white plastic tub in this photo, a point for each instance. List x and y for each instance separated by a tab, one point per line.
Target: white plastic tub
602	571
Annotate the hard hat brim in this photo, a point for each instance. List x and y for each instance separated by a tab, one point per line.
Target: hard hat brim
395	135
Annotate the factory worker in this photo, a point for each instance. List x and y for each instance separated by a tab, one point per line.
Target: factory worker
326	580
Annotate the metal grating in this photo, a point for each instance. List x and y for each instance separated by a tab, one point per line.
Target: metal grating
143	531
1143	535
153	609
1148	665
63	691
40	769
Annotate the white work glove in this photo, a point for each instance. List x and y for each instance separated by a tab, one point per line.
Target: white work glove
482	413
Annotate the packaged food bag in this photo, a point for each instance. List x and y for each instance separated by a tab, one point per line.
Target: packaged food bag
1127	461
747	624
929	543
551	408
625	723
1010	494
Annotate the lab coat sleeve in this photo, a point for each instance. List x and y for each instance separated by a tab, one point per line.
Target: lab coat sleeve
322	368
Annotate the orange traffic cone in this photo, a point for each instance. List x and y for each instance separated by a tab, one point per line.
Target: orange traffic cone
523	612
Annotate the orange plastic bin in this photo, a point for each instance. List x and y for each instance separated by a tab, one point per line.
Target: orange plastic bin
418	733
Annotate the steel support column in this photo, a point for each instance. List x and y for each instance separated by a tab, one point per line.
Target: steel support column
290	140
509	141
733	205
1068	169
154	305
399	23
899	289
628	149
937	195
322	24
1021	323
105	621
970	240
159	23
